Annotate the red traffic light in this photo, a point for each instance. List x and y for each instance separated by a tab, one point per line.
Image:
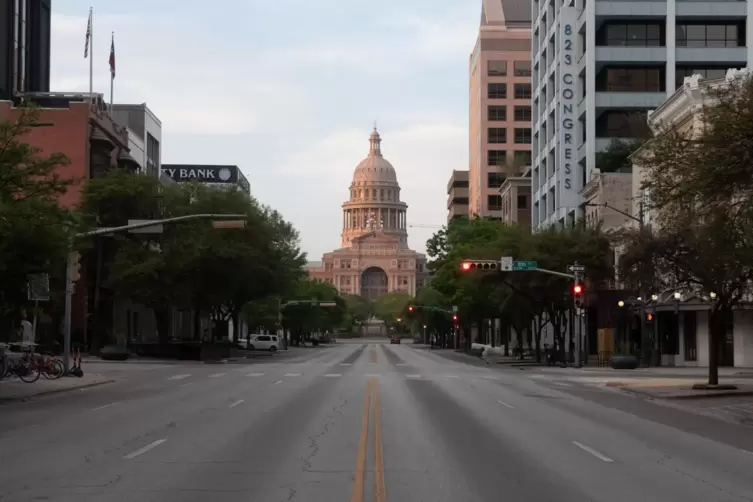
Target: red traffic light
577	289
455	318
466	265
410	308
650	317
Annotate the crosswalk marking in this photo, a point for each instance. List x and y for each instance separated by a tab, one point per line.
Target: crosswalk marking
255	374
292	374
332	375
345	364
179	377
451	376
400	364
412	376
217	375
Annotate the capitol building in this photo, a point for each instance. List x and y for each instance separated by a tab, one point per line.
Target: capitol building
373	258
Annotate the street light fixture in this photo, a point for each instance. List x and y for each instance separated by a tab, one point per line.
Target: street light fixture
654	298
677	296
620	303
712	295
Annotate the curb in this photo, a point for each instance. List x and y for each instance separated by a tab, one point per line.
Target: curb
710	395
53	391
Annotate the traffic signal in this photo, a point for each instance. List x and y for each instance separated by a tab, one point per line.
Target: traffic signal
578	295
410	308
454	318
649	317
484	265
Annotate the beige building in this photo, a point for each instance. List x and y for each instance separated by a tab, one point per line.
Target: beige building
499	103
608	199
373	258
457	195
515	193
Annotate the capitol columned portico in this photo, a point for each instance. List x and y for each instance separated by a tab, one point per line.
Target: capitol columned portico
374	257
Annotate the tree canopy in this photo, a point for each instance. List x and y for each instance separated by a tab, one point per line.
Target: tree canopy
34	229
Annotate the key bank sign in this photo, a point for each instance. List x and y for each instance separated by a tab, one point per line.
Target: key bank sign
567	162
214	175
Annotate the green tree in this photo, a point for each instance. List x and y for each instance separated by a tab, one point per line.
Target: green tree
701	187
304	318
391	306
34	229
359	310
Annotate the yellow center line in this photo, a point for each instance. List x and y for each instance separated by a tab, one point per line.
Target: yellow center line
380	493
359	481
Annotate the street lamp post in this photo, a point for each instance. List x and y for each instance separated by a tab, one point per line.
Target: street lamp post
109	231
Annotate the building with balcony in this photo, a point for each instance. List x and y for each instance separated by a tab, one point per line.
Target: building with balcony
600	66
144	137
515	194
499	103
457	195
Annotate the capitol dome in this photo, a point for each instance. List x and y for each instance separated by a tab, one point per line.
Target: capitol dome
374	204
375	169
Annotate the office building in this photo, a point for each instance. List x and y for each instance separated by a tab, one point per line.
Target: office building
24	47
515	194
600	66
457	195
499	103
144	136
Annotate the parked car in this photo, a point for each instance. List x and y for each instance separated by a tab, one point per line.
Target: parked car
261	342
395	339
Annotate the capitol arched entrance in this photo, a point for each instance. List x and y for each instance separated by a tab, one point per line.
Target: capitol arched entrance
373	283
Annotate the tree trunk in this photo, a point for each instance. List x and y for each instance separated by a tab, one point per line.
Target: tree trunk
716	333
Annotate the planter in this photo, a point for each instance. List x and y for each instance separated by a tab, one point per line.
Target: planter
114	353
623	362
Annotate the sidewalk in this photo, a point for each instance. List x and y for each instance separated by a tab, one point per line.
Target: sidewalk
12	390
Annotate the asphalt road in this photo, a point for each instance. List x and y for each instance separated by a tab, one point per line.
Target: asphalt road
367	422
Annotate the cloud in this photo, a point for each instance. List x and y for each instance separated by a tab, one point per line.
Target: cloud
196	86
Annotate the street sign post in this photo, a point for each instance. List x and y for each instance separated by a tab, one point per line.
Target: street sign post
327	304
38	287
506	263
454	309
576	268
520	266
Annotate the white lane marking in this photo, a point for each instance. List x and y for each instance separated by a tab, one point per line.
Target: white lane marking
372	364
145	449
217	375
451	376
562	384
412	376
490	378
255	374
345	364
401	364
233	405
372	375
186	385
748	452
506	405
593	452
105	406
179	377
292	374
332	375
278	381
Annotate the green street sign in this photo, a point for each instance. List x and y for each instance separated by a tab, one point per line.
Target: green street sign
519	266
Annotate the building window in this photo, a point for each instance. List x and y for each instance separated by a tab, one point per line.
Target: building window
496	68
497	112
522	158
522	91
522	68
494	202
630	35
710	35
522	114
621	124
495	180
460	201
631	80
497	135
522	202
681	73
523	136
497	91
152	155
460	184
496	157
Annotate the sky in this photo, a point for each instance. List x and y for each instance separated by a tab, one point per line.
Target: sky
289	90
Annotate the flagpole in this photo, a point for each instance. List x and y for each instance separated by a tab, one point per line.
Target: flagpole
91	57
112	75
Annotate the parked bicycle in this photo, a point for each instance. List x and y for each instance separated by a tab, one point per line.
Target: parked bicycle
29	366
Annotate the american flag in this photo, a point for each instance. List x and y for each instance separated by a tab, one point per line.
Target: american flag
88	35
112	57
